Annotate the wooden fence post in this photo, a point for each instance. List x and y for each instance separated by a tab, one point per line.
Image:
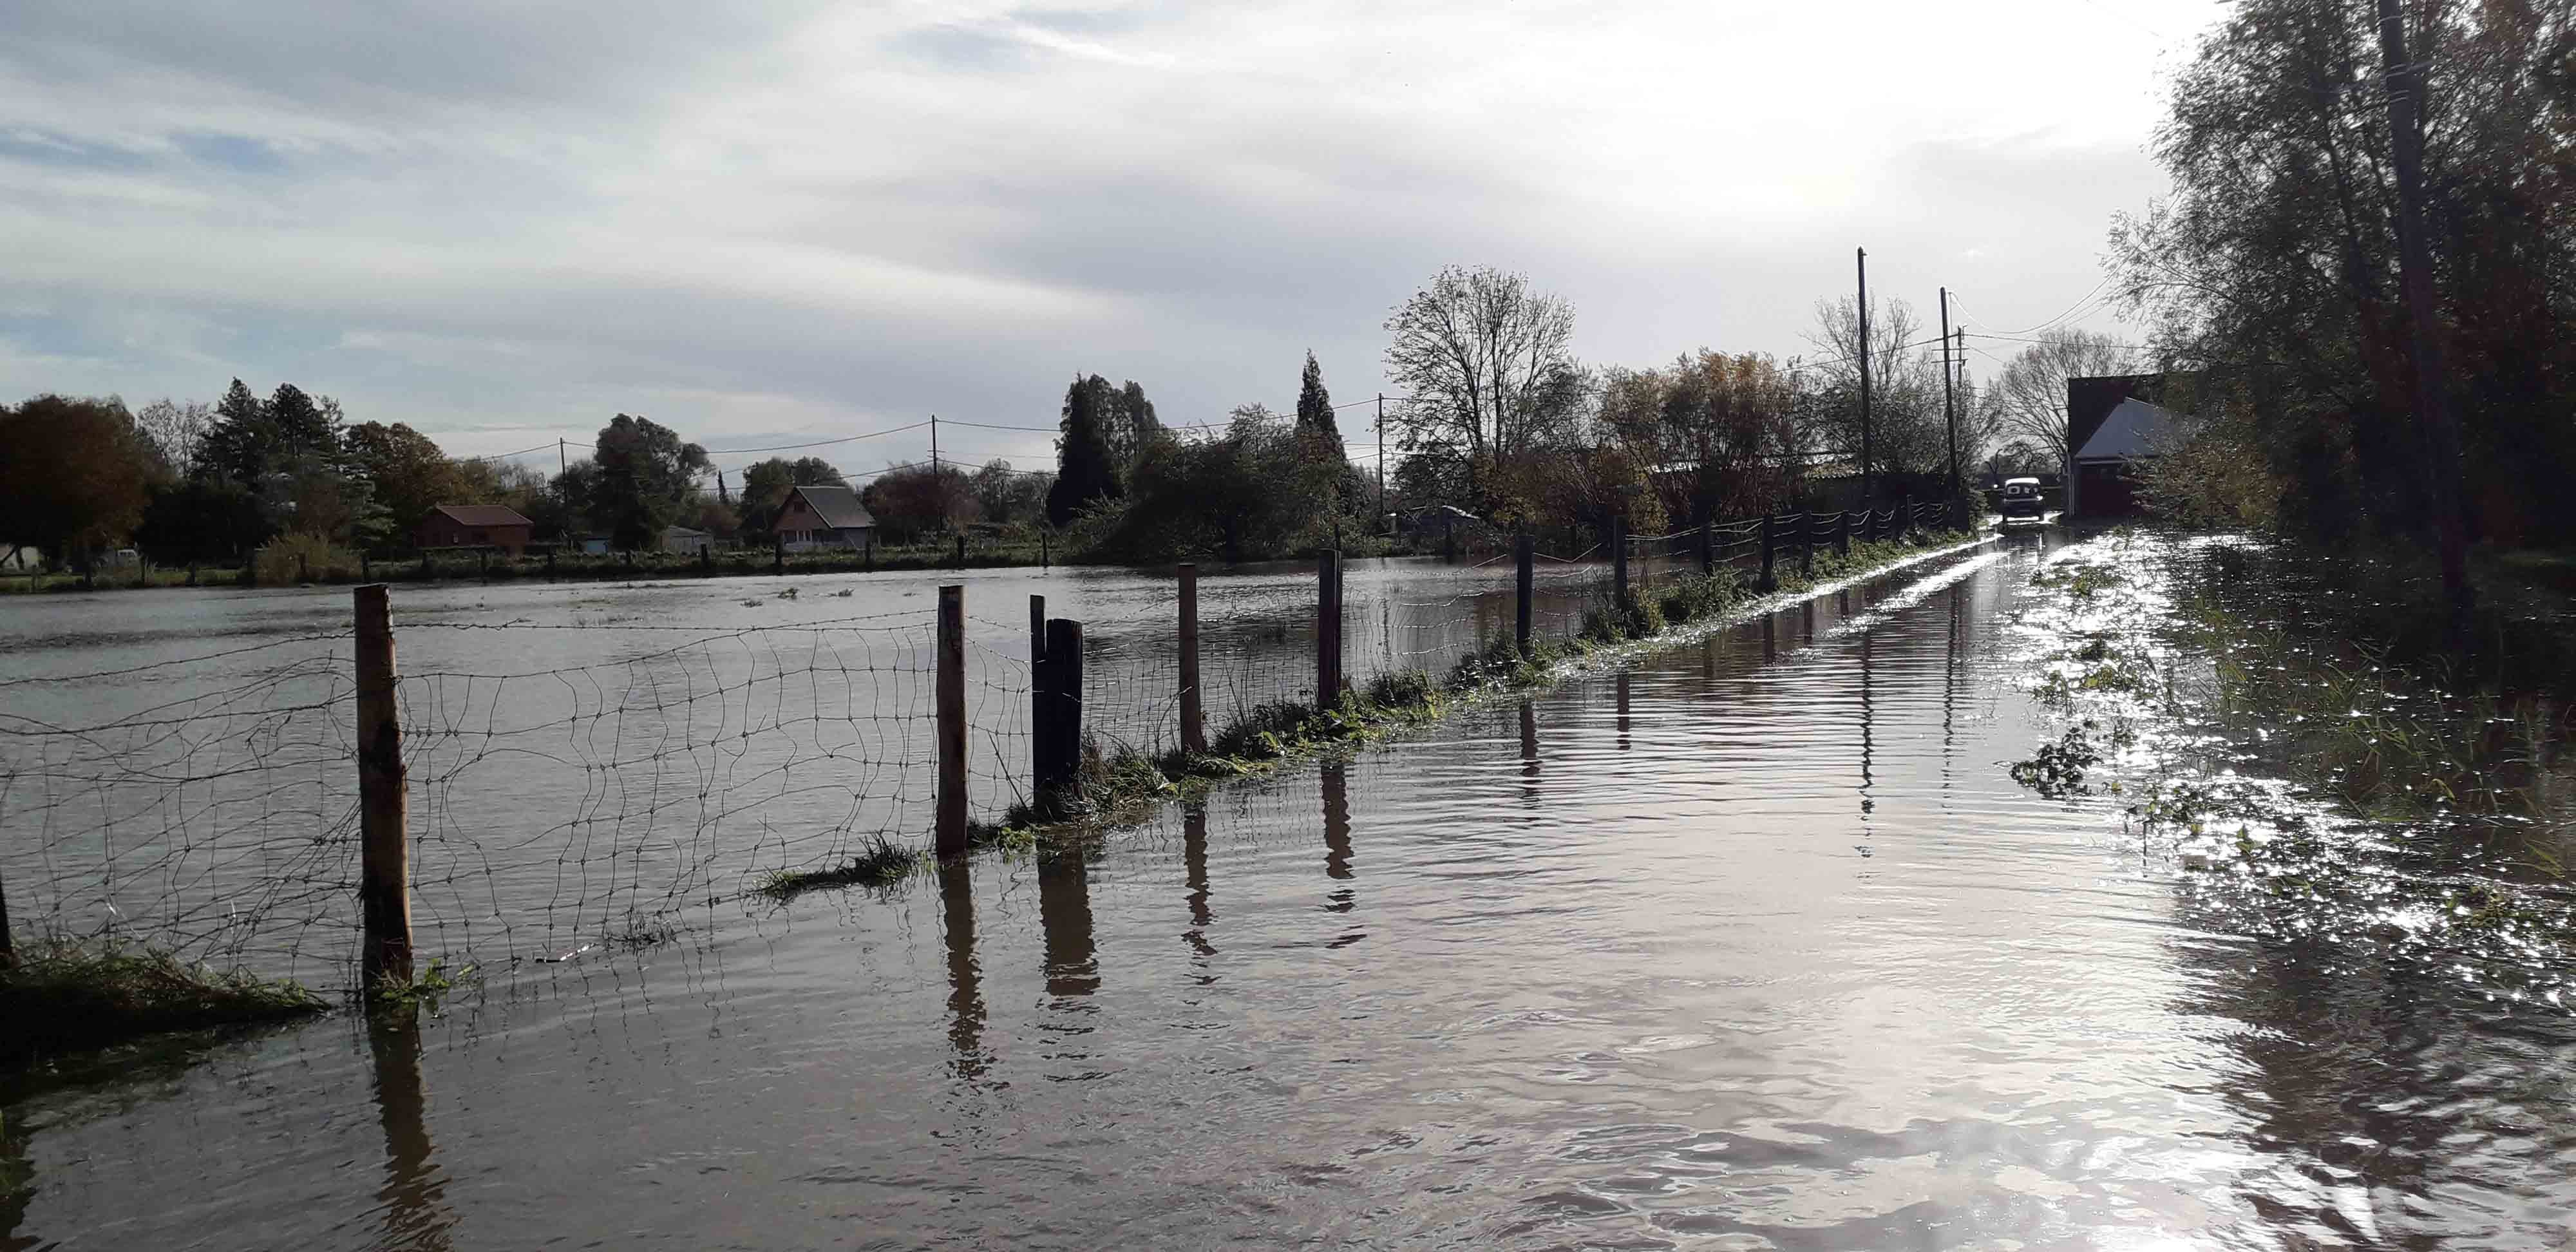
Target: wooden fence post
1619	560
1806	544
550	564
1193	711
1449	537
483	563
1770	550
1842	533
1328	629
951	838
1524	577
1045	560
366	570
1041	702
961	550
778	555
384	874
868	560
706	559
1707	548
1064	713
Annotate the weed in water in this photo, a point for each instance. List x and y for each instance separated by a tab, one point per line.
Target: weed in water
425	989
66	997
876	865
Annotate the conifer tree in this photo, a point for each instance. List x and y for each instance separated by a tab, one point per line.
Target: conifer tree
1315	424
1087	463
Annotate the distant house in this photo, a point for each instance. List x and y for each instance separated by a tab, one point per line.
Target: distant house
2112	424
683	539
474	526
823	517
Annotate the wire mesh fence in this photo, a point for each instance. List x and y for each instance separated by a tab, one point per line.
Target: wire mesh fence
572	784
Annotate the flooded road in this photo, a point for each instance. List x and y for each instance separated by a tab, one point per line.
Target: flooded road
1751	944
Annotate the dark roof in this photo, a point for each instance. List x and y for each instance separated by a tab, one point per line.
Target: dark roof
839	507
483	515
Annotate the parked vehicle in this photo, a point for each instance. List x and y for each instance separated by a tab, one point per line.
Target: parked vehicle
2022	502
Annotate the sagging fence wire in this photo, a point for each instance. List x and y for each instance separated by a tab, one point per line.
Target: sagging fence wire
572	785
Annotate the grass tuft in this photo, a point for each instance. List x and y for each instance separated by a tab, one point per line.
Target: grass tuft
70	997
877	865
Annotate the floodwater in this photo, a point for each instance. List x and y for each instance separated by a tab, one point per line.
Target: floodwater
1751	943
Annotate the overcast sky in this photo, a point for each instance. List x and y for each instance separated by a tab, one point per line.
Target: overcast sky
763	221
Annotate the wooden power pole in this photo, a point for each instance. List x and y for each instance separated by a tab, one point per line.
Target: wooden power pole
1949	407
1863	255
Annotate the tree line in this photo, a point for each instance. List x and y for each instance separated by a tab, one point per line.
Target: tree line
2275	278
187	482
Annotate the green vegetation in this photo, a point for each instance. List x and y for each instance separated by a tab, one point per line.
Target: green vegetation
63	997
876	865
1118	784
425	989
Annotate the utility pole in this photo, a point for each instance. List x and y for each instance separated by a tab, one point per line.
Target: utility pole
563	464
2415	273
1863	254
1949	407
1381	460
934	446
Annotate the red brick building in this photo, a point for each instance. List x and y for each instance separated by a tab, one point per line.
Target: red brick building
474	526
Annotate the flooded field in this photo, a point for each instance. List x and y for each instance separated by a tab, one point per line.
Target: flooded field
1752	943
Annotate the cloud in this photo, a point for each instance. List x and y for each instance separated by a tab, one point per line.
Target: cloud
499	221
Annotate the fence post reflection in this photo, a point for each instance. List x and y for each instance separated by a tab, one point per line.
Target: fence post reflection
1194	864
1064	914
17	1183
965	975
1529	753
1337	833
414	1194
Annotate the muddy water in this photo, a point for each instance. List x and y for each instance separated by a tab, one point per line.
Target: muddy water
1752	944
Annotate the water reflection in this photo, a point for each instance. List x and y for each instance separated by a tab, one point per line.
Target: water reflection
1770	637
1529	754
414	1194
965	975
1194	863
1622	689
1868	721
1337	830
1064	914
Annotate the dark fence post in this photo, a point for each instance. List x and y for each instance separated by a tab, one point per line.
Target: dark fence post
1045	559
483	563
425	574
303	569
1063	722
1842	533
550	564
951	838
1328	629
778	555
8	952
868	560
706	559
1041	702
961	550
1524	577
1770	550
1619	560
366	570
1449	537
1707	547
1193	713
1806	544
384	874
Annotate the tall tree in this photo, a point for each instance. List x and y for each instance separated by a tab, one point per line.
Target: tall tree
1086	462
1730	418
72	476
1316	426
178	430
645	475
1131	423
1489	362
409	473
1907	432
2029	398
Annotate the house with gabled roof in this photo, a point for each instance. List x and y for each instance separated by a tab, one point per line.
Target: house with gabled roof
2113	426
823	517
474	526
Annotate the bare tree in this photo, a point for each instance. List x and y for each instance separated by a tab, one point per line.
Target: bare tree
1488	363
178	430
1908	433
2030	397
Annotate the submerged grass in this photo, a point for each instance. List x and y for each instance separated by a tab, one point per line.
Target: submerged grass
64	997
1118	784
876	865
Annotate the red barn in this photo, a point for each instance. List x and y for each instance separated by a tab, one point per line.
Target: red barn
474	526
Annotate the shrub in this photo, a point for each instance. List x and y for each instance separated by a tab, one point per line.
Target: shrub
295	558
